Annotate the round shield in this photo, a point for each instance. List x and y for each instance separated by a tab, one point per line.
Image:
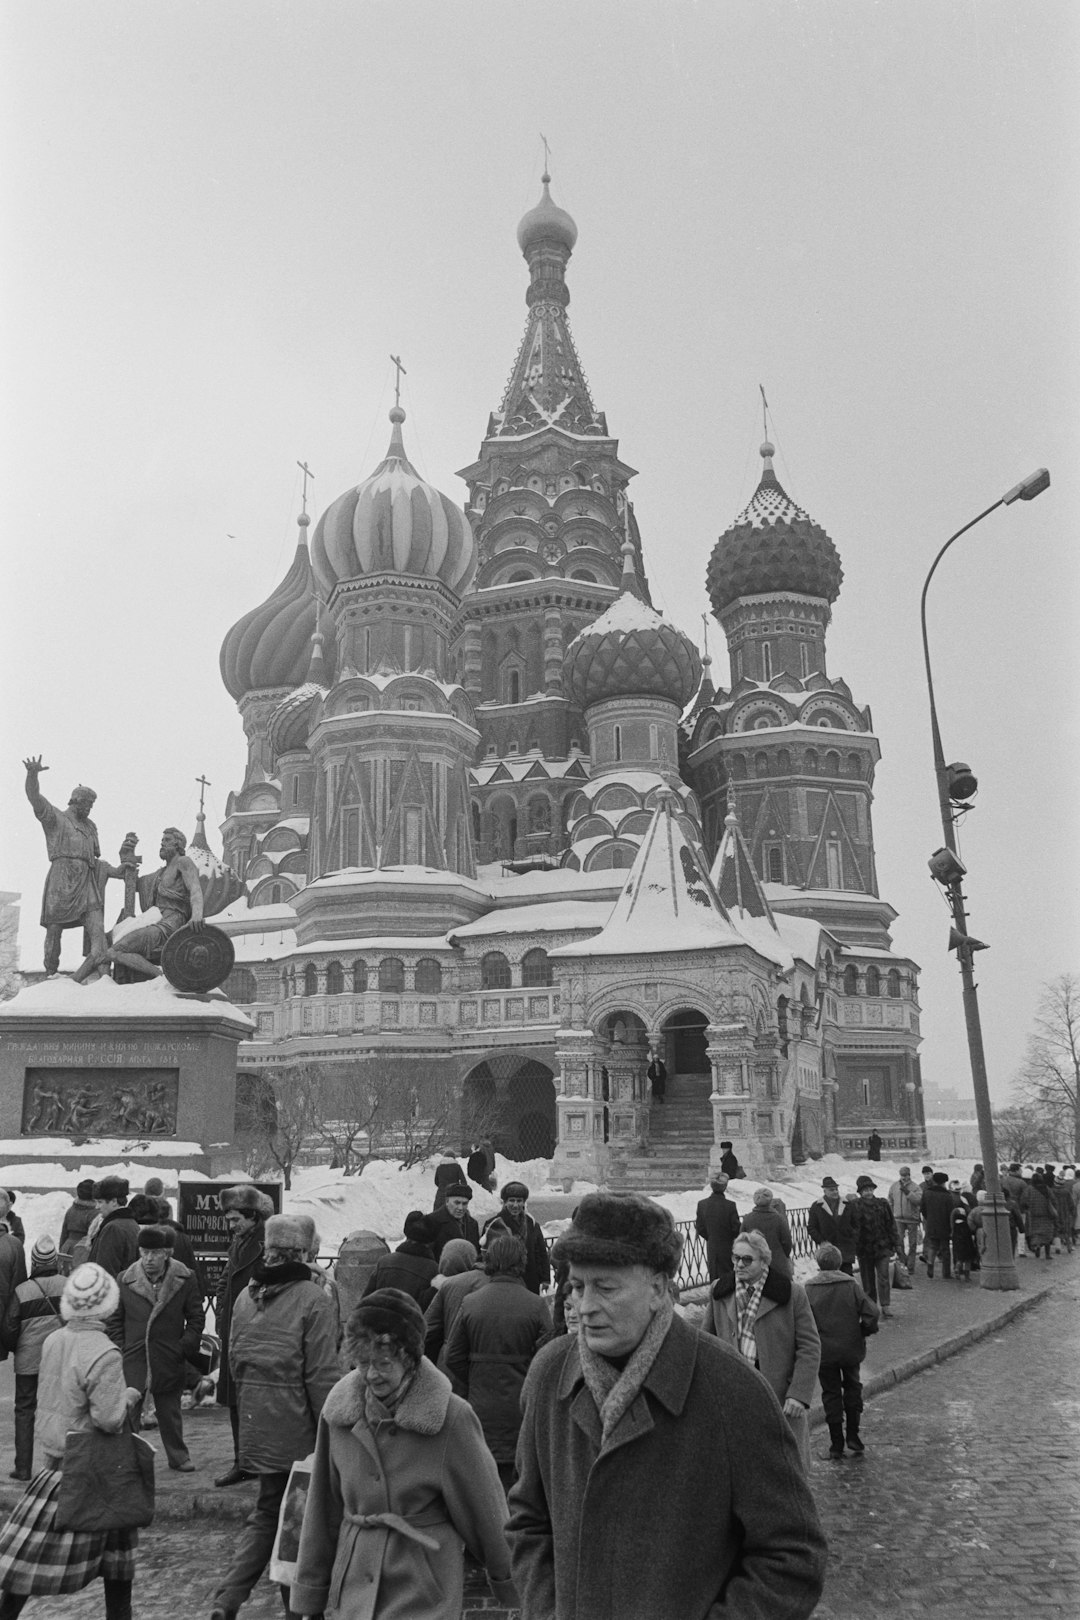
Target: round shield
198	961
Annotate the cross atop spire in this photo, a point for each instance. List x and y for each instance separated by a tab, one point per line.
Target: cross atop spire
307	472
401	372
547	161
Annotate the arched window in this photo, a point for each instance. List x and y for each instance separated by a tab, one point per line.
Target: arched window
311	980
783	762
359	978
519	576
766	661
241	987
392	975
761	764
495	972
428	977
335	979
873	982
894	984
776	864
851	981
810	762
585	575
832	763
535	968
539	815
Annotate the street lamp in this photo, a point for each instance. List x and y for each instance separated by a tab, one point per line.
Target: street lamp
956	785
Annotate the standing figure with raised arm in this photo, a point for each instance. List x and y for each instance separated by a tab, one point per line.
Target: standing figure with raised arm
74	895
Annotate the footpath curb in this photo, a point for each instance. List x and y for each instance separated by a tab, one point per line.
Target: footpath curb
891	1376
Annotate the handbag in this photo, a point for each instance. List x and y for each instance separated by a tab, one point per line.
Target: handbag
286	1549
108	1481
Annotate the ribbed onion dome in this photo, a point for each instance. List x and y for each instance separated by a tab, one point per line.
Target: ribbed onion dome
271	645
630	651
546	222
772	546
393	523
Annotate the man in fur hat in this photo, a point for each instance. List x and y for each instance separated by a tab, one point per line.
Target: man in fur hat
453	1220
519	1224
639	1419
246	1210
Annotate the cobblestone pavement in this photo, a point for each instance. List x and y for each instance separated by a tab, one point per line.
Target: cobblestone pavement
967	1501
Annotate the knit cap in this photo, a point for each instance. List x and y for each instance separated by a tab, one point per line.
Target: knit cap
90	1294
392	1313
44	1256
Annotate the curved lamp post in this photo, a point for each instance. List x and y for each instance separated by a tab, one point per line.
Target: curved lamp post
955	784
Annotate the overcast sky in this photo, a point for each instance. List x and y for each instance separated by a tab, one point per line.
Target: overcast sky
222	218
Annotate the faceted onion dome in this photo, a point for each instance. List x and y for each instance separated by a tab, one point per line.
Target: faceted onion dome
393	523
630	651
546	222
772	546
271	645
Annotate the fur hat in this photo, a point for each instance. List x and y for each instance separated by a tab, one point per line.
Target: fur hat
863	1182
457	1256
725	1144
156	1237
285	1232
44	1255
112	1189
90	1295
940	1178
144	1209
620	1229
85	1190
458	1189
392	1312
153	1186
247	1199
415	1227
514	1189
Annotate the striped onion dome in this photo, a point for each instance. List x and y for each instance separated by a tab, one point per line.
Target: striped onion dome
772	546
630	651
393	523
271	645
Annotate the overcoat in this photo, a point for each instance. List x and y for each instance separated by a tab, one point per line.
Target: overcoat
410	1267
788	1347
837	1226
537	1260
442	1313
717	1221
245	1252
694	1506
157	1333
429	1467
489	1352
116	1242
444	1227
1040	1216
840	1310
775	1230
284	1359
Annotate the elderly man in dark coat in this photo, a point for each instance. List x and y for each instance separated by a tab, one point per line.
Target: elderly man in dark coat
830	1220
453	1220
520	1224
617	1413
157	1327
876	1240
717	1221
246	1210
497	1333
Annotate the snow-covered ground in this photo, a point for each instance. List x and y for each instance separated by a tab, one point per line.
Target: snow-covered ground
379	1200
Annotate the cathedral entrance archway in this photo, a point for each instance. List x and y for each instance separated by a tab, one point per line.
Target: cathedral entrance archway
686	1041
511	1099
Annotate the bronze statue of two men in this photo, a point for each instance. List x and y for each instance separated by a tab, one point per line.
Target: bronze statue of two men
74	895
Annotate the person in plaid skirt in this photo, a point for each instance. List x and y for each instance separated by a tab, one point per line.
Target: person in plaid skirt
80	1386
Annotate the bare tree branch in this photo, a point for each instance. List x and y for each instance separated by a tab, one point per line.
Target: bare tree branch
1050	1076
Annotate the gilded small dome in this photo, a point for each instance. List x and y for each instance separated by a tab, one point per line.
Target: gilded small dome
393	523
546	222
630	651
774	545
271	645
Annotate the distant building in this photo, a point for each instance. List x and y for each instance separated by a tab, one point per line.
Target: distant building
942	1103
497	830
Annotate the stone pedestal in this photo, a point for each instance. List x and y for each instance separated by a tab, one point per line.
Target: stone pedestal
103	1071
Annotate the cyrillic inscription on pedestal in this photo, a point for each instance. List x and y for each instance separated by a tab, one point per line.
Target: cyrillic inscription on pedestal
99	1102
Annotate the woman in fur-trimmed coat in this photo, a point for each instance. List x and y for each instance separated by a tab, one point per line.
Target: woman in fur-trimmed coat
402	1482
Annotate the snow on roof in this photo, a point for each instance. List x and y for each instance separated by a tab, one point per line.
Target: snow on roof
435	877
519	766
668	902
275	915
297	824
763	936
801	935
627	612
376	942
264	946
551	883
554	917
642	782
153	999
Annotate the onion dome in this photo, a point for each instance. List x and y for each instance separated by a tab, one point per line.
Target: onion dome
546	223
288	727
220	884
271	645
393	523
630	651
772	546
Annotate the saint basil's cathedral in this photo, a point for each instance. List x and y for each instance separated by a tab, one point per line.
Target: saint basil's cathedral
498	828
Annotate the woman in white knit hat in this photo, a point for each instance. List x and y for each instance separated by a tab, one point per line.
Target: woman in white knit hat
80	1386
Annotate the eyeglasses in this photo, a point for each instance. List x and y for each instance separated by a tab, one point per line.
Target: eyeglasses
744	1259
383	1362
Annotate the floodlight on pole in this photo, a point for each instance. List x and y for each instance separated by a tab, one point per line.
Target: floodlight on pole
998	1268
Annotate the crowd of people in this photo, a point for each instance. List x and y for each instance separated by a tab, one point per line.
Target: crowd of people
481	1397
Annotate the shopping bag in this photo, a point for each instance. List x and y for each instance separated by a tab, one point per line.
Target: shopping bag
290	1519
901	1277
108	1481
